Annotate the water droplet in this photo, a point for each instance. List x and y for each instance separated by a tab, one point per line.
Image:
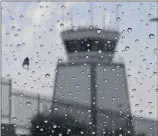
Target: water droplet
89	11
88	45
60	60
33	72
154	73
130	62
100	51
106	80
127	48
23	44
113	98
41	45
136	105
129	30
137	40
155	50
14	118
62	6
119	5
19	73
13	27
51	30
133	90
150	113
28	103
151	36
41	129
18	45
54	126
26	63
21	16
15	35
122	13
149	15
118	19
141	4
28	119
19	30
47	75
99	31
61	25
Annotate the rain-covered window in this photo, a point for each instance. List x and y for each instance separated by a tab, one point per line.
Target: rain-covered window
79	68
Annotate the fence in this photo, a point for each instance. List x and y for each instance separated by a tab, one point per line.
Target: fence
18	107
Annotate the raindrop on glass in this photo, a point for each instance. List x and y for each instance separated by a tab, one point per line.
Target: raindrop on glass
47	75
99	31
26	63
62	6
13	27
23	44
151	36
60	60
14	118
18	45
28	103
136	105
19	30
137	40
154	73
155	50
127	48
106	80
41	45
118	19
15	35
21	16
61	25
129	30
133	90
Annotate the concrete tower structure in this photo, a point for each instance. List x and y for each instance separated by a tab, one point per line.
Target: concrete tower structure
90	87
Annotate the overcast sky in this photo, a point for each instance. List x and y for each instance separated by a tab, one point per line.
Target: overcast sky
33	30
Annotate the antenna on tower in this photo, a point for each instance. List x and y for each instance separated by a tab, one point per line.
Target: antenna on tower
117	16
62	14
91	9
71	19
103	19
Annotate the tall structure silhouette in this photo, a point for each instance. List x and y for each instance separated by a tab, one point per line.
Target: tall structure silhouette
90	87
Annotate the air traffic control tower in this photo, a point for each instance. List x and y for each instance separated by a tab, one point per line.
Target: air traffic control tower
90	87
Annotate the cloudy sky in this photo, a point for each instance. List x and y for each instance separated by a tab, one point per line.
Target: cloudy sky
32	29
